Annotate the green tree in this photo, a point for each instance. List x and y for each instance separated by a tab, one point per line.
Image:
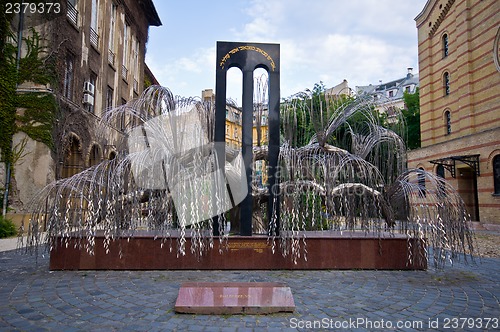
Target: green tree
296	125
7	88
39	108
411	115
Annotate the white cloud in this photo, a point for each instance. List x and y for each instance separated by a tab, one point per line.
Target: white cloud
189	64
358	40
187	75
361	41
258	29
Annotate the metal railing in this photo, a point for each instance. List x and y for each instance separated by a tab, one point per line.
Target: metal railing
72	14
111	57
124	72
94	38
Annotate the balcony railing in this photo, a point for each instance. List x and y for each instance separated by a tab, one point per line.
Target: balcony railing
124	72
111	57
10	40
94	38
72	14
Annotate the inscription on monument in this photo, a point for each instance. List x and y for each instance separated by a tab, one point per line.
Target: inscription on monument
247	48
256	246
234	298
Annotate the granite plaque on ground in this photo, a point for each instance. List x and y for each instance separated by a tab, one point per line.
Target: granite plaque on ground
234	298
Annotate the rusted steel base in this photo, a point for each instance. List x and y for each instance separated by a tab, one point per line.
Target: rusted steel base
325	250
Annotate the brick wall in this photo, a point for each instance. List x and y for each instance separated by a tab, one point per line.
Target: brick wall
473	101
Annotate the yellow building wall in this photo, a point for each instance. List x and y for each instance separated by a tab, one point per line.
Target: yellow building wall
473	101
233	134
471	27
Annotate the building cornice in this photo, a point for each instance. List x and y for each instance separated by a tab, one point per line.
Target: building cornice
428	9
424	14
151	13
441	17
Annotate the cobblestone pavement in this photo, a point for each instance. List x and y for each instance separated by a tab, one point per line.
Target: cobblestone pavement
32	298
487	244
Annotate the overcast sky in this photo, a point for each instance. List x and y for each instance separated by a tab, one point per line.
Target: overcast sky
362	41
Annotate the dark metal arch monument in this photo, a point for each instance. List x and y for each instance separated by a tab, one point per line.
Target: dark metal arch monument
248	57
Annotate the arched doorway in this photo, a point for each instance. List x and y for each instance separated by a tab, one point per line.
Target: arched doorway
467	188
73	161
95	155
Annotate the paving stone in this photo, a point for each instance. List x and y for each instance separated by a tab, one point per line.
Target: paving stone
32	297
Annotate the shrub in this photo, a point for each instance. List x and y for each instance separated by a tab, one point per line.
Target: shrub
7	228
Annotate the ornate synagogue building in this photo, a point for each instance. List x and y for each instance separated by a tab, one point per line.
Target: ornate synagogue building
459	64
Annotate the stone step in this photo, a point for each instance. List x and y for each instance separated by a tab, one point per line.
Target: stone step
218	298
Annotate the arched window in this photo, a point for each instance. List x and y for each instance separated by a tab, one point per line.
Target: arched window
73	161
447	122
445	45
95	155
496	174
112	155
446	83
440	171
421	182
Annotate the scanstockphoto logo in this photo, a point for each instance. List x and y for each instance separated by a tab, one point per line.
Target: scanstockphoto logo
172	151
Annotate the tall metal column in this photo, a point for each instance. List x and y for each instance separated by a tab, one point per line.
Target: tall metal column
246	206
273	150
220	129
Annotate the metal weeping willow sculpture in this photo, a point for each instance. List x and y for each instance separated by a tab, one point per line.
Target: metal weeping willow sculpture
352	175
175	179
348	177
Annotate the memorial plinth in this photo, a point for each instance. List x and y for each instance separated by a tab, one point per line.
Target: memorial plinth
325	250
216	298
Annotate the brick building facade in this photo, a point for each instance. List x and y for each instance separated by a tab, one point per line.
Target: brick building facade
458	44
